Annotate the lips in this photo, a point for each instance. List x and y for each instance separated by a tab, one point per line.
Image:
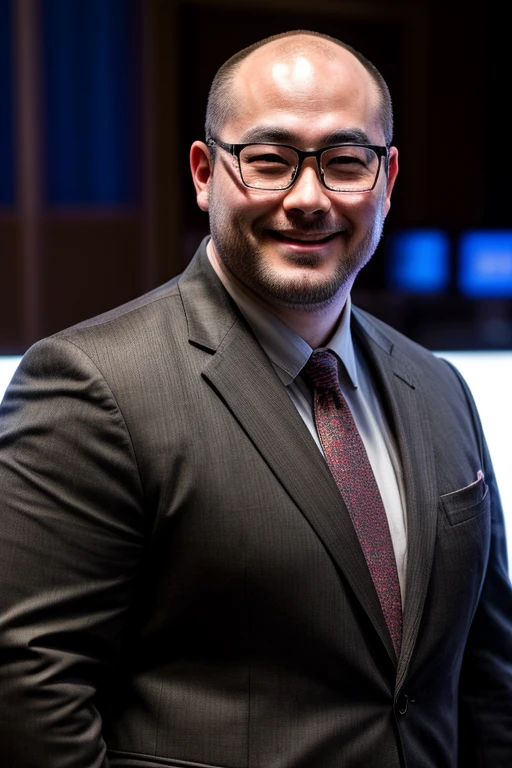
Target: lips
303	238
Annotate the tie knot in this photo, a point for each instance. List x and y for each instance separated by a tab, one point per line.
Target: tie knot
322	369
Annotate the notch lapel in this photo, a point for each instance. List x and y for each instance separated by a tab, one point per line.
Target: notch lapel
241	374
410	419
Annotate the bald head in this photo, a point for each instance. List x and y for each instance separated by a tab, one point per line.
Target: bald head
289	59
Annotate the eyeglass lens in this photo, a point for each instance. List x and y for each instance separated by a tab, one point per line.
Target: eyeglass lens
349	168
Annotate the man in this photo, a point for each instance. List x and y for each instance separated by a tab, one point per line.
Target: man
211	556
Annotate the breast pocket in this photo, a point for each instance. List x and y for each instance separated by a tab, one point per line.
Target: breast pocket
466	503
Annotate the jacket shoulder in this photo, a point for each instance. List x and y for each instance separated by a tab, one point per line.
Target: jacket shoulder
423	364
392	339
149	304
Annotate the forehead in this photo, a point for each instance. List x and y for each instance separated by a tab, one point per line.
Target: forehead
305	89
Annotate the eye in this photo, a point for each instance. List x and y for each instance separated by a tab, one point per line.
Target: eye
346	160
266	158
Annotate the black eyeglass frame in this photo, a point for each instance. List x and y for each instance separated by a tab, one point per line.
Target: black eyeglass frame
236	149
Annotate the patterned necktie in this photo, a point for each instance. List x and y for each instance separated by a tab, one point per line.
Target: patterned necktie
347	459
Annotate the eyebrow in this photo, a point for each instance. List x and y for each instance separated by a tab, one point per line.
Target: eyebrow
274	135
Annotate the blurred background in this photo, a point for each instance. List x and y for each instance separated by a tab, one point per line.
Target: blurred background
101	99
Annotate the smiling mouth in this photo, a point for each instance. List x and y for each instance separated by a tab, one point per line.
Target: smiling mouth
306	239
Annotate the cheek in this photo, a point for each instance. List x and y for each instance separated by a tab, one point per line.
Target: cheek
256	211
359	210
374	204
239	203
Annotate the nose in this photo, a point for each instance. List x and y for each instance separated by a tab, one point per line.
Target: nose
308	195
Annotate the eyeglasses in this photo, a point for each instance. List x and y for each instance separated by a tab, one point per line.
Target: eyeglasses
272	167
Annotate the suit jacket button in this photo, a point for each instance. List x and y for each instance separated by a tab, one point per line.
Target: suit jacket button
402	703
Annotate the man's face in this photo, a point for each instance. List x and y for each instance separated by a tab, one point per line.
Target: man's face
300	247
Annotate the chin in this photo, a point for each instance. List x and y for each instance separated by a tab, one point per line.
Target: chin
306	292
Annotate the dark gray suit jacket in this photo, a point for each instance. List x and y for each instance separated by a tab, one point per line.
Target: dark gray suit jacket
180	582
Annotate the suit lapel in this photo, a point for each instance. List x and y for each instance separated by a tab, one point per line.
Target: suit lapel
409	417
243	377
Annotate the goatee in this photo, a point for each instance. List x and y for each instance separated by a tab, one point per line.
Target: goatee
245	259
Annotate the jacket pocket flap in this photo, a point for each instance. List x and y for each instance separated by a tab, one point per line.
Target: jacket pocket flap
467	502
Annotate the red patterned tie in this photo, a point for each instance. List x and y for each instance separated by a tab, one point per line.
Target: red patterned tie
347	459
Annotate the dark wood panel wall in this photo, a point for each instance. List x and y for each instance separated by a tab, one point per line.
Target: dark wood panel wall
60	266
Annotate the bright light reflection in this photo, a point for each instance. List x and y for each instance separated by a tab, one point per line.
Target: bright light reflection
297	74
7	367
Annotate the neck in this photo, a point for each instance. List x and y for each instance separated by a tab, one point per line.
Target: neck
313	324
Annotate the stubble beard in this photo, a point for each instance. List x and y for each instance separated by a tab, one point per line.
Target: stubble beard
245	259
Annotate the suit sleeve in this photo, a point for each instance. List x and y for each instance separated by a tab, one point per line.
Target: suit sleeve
70	544
485	707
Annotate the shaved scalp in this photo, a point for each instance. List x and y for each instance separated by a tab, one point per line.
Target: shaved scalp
223	100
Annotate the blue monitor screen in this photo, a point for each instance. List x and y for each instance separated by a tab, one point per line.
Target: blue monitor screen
419	260
485	264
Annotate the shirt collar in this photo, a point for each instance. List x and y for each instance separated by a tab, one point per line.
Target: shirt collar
287	350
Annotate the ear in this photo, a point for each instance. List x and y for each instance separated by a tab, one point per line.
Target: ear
392	174
201	169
